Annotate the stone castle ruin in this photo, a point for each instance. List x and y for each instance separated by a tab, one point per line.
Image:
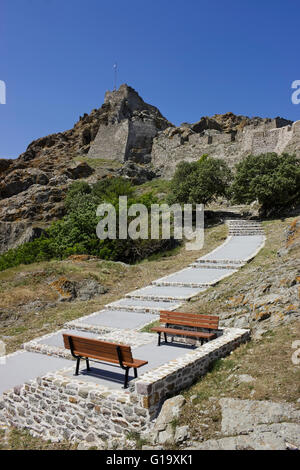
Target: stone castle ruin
174	145
128	128
133	130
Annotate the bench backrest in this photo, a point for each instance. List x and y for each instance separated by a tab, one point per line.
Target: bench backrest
96	349
189	319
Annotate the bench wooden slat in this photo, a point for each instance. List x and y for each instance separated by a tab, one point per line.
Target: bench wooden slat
190	315
200	321
198	334
100	348
192	320
189	323
115	353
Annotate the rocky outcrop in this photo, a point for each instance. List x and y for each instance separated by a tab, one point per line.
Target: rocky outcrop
70	290
17	233
138	174
256	425
4	164
165	431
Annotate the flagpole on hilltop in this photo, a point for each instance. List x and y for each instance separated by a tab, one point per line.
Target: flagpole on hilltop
115	76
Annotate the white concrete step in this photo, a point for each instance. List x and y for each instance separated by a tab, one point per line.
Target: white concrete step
190	277
165	293
198	264
219	262
143	306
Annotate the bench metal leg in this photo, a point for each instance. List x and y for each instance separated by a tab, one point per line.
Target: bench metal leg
135	373
158	344
126	377
77	365
165	335
87	364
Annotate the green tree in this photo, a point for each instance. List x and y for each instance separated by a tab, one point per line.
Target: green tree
273	180
200	182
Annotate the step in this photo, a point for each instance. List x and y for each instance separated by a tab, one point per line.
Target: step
190	277
242	221
53	345
22	366
220	262
199	265
108	319
143	306
165	293
249	234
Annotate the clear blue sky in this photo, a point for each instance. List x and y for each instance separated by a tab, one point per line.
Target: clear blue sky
189	58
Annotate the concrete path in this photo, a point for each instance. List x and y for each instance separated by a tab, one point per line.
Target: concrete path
161	292
24	366
194	277
237	248
112	376
120	320
144	305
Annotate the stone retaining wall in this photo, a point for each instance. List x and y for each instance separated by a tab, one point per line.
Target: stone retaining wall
157	385
58	406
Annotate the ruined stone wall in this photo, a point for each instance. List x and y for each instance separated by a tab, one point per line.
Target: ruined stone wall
111	141
139	143
170	148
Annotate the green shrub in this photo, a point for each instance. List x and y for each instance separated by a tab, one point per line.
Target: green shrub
200	182
273	180
75	233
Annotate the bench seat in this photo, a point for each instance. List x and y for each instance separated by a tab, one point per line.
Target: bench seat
173	331
192	320
87	348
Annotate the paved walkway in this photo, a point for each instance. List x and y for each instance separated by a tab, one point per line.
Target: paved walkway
24	366
111	375
121	320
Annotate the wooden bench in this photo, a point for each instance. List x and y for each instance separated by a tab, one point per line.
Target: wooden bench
85	348
209	322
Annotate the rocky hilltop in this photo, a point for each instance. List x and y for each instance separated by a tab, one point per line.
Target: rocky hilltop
128	137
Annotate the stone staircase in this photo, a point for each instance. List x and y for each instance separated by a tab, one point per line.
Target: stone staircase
244	227
122	320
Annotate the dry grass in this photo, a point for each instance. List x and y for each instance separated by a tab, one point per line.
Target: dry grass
15	439
267	360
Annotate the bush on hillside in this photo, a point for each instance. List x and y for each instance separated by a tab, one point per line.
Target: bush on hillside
75	233
200	182
273	180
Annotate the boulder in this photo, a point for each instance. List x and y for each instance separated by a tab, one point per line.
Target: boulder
164	429
138	174
244	415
